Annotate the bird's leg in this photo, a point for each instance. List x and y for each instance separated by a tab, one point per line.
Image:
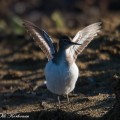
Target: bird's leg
59	99
68	99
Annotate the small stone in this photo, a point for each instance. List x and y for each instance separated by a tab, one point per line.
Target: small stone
6	107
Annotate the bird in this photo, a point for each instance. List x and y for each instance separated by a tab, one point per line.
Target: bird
61	70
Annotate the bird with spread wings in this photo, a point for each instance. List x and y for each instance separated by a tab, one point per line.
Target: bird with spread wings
61	72
83	37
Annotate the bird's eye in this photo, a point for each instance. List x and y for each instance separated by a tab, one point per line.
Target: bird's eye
65	41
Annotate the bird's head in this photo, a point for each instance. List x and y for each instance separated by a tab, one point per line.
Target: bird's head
65	42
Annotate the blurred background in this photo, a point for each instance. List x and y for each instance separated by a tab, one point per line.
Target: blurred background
64	14
22	62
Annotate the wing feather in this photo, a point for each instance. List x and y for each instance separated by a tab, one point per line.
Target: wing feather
41	38
84	37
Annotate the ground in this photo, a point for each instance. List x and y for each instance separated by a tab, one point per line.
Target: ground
22	89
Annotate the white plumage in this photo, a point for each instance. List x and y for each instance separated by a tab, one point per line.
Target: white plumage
61	79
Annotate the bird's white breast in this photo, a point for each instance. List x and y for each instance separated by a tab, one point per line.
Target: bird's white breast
61	78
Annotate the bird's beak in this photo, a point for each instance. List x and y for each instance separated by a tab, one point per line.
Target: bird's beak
73	43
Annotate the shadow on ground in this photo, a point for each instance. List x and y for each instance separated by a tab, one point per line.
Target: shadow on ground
57	115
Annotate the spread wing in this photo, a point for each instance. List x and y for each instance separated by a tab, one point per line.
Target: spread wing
84	37
41	38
